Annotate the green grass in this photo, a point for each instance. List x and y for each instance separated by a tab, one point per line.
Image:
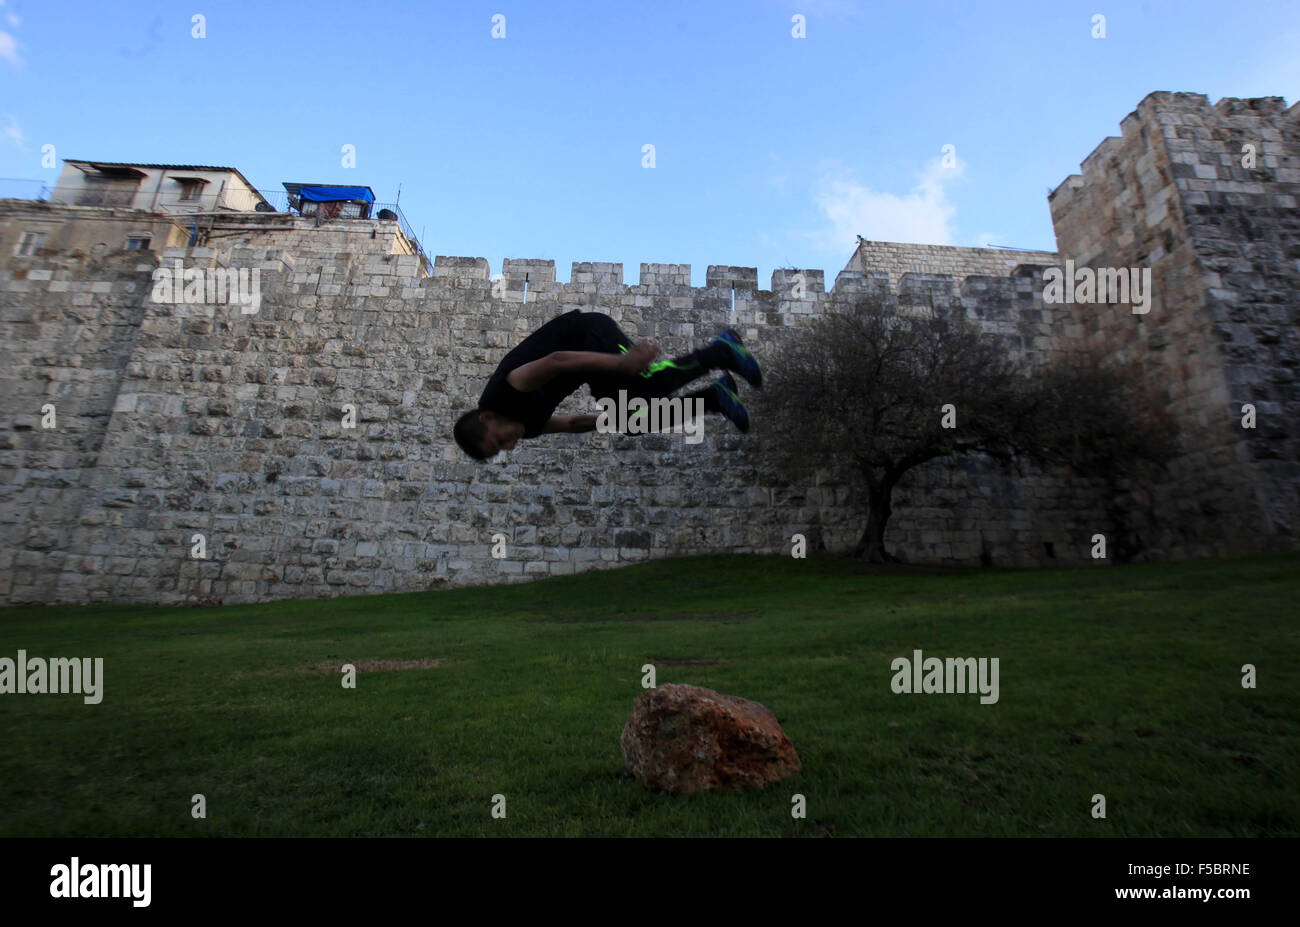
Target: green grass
1123	681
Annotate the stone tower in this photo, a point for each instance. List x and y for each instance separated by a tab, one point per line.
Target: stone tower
1207	197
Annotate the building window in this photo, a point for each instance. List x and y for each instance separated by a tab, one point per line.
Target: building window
29	243
137	244
190	190
107	191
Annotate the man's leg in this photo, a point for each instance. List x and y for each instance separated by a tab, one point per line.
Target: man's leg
667	414
663	377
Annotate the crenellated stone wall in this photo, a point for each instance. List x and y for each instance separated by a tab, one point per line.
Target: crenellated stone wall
209	422
180	424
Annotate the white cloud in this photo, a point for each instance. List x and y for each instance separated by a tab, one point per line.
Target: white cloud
9	49
923	216
14	20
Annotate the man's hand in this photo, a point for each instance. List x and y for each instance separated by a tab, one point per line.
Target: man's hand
638	358
574	424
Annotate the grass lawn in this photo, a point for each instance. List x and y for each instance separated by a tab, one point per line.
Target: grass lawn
1124	681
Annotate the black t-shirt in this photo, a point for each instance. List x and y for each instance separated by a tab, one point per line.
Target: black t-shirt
534	409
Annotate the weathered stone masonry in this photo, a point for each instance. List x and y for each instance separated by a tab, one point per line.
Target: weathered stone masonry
1223	242
176	420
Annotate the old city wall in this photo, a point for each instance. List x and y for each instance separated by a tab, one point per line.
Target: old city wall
229	426
1223	245
181	423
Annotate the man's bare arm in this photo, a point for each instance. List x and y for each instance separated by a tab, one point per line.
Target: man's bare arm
536	374
574	424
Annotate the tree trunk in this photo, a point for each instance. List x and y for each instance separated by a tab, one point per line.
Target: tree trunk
871	546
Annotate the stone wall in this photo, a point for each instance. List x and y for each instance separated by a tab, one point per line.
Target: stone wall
68	329
346	238
1223	246
181	423
210	422
1245	226
898	258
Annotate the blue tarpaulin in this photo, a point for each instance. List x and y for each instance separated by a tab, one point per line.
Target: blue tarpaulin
336	194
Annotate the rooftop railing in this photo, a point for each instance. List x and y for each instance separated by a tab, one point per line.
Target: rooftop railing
171	204
404	225
15	188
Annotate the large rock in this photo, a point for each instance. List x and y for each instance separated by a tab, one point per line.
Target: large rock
689	739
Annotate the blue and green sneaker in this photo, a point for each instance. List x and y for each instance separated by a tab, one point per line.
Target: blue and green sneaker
742	361
729	403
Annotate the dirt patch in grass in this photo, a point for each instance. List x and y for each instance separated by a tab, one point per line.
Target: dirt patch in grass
373	666
689	662
725	617
362	666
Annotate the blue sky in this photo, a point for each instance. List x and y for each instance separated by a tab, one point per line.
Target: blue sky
770	151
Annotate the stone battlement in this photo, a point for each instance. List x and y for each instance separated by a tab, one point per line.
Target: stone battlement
539	272
308	444
589	276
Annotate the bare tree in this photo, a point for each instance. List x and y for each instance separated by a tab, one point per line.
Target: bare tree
869	394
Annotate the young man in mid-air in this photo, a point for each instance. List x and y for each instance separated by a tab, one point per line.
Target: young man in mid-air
580	348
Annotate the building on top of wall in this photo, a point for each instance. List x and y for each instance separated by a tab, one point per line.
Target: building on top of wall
164	188
897	258
101	208
330	201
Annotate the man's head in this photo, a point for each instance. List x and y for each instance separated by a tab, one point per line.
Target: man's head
481	433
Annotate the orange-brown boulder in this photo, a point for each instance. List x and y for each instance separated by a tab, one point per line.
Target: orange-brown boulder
690	739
